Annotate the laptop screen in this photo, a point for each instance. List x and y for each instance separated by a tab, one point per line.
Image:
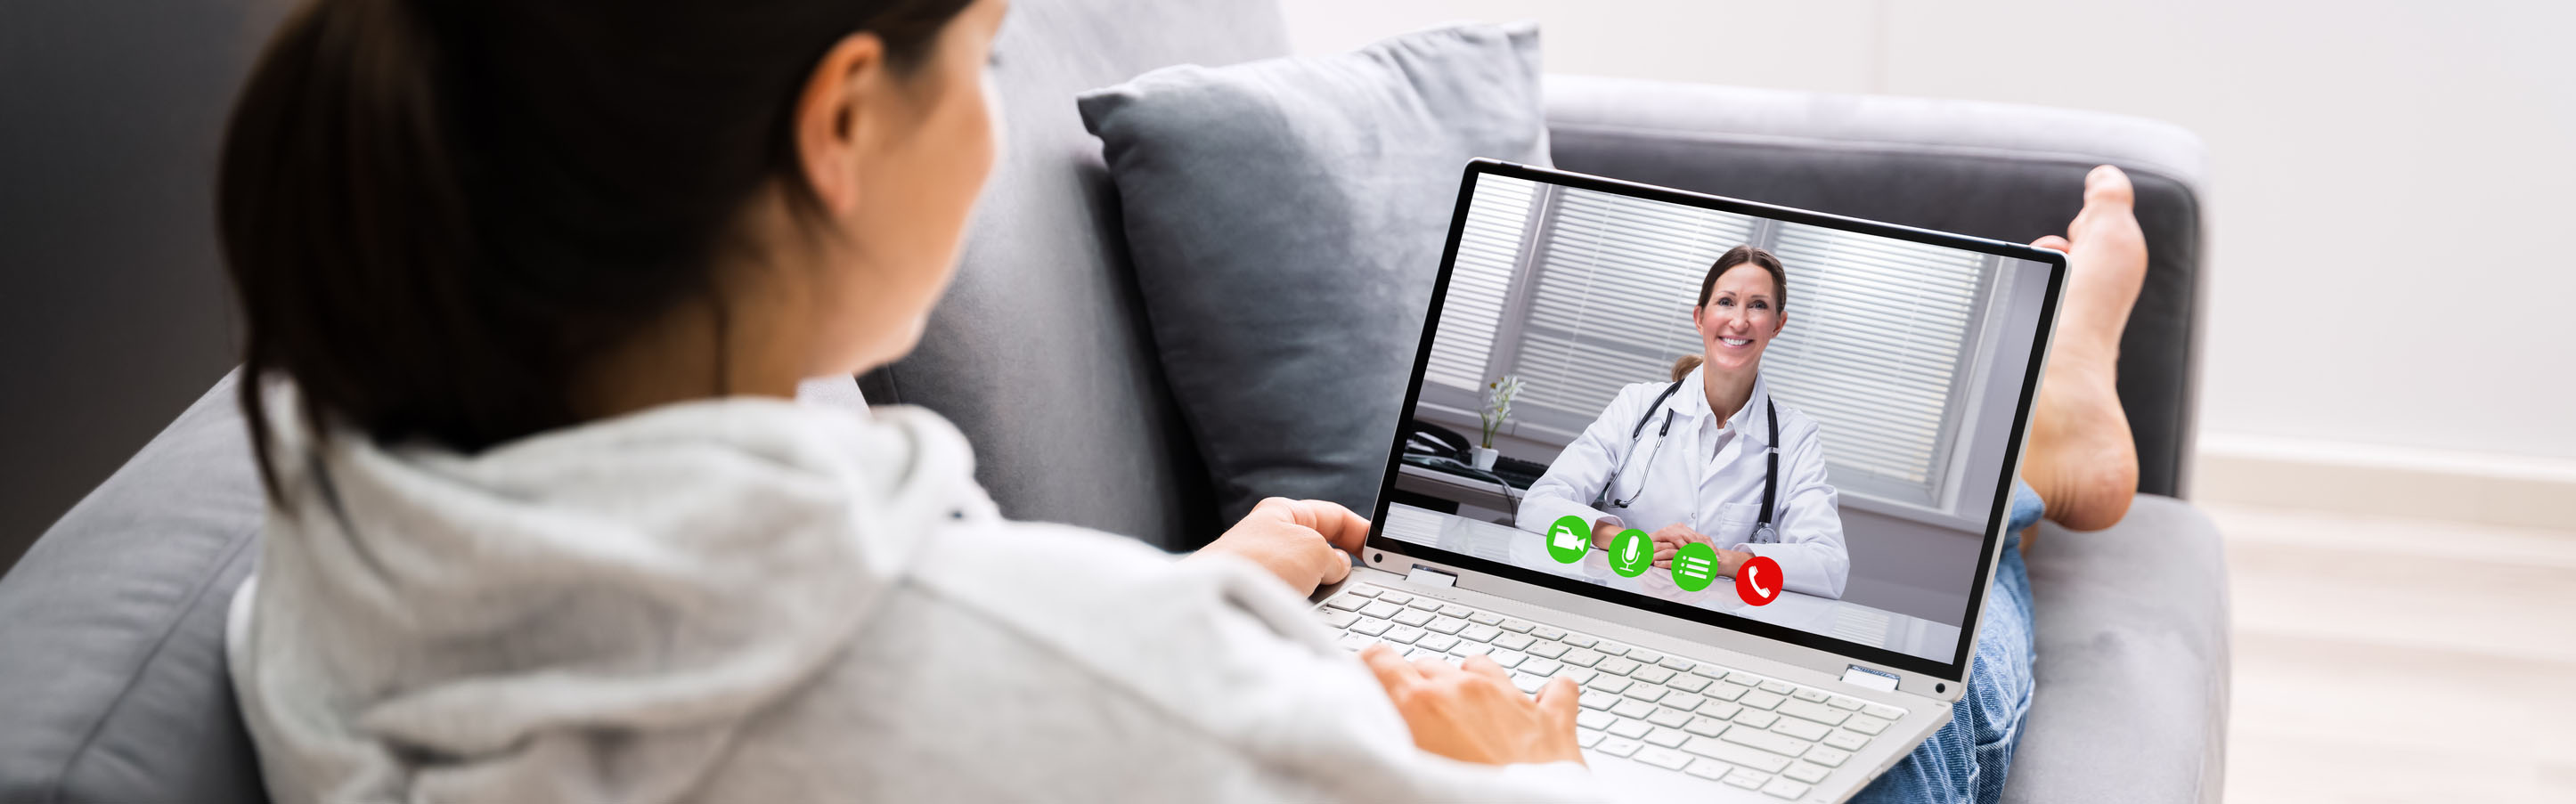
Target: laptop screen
1778	422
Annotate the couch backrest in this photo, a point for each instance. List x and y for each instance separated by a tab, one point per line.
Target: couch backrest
1040	350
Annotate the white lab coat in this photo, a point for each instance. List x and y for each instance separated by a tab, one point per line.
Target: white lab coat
1708	475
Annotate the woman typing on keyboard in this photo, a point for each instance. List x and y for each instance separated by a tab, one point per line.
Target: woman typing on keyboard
529	287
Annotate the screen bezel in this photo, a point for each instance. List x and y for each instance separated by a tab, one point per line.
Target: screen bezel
1955	669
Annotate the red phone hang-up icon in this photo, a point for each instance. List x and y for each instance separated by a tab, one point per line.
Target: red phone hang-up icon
1758	582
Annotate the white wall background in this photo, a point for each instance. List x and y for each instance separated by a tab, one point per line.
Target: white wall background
2391	183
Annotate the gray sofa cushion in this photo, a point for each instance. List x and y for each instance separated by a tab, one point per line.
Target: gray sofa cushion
112	650
2131	699
1995	170
1286	218
1039	352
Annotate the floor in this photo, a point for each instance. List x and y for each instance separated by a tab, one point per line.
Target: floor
2384	660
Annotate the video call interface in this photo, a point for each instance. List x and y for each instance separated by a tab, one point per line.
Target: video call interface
1616	386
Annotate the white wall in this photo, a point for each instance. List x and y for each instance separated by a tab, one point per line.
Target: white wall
2388	180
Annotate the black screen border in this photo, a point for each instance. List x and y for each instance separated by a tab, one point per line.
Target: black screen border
1956	669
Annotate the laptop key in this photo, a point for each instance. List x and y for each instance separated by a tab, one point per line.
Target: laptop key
1528	683
1579	675
1582	657
1749	780
1866	725
1651	675
1632	708
1508	658
1455	610
1777	687
1609	683
1801	729
1705	726
1688	683
1883	711
1683	701
1514	641
1425	604
1806	694
1355	642
1588	738
1808	772
1481	633
1598	700
1381	609
1616	665
1414	617
1840	702
1813	711
1828	757
1594	718
1647	656
1347	602
1677	664
1397	598
1517	626
1404	634
1710	671
1784	789
1340	619
1544	667
1756	718
1726	692
1544	632
1371	626
1669	718
1438	642
1645	692
1845	740
1667	738
1486	618
1618	746
1738	755
1760	700
1709	769
1609	648
1466	649
1447	625
1663	757
1579	640
1549	650
1631	729
1781	744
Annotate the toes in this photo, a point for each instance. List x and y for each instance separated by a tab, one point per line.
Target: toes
2107	185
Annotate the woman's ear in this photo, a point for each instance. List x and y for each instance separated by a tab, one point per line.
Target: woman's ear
1779	323
842	99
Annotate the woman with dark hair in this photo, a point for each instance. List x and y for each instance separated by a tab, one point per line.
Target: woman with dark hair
529	285
1709	457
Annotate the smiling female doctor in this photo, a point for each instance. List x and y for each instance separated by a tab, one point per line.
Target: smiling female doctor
1693	460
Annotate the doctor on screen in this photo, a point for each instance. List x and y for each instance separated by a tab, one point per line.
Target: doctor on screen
1691	460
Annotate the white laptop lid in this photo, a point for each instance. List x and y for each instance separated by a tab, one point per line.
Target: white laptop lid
1906	367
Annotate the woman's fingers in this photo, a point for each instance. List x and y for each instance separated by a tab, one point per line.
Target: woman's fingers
1393	672
1482	666
1558	697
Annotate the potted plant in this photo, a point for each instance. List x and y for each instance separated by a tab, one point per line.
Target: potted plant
1498	407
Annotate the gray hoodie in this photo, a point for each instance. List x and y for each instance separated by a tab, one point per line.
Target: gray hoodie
751	600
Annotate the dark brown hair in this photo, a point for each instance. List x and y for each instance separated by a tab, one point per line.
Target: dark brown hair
436	212
1738	255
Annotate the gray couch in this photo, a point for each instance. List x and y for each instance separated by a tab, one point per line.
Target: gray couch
112	685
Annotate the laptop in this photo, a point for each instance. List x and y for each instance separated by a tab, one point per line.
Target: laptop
1915	353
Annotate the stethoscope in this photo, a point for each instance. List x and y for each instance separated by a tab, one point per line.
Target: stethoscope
1762	531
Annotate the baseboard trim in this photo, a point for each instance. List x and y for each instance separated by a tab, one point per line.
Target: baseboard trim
2378	480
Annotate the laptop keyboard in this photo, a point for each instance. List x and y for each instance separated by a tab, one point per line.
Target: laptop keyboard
1680	715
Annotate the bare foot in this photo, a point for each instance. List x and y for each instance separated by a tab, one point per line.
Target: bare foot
2081	458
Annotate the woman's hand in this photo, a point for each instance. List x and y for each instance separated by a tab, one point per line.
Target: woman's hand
1474	714
1304	542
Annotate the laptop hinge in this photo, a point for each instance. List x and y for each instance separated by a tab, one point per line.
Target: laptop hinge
1430	577
1859	676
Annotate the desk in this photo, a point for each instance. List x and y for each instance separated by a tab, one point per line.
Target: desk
1838	619
1457	488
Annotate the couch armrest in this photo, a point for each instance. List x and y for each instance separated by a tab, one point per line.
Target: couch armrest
1994	170
2130	703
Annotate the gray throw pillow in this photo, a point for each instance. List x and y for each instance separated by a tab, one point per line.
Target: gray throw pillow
1286	219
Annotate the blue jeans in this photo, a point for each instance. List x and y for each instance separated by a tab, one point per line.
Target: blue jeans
1965	761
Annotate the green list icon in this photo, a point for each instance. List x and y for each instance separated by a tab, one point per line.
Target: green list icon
1694	566
1631	553
1569	539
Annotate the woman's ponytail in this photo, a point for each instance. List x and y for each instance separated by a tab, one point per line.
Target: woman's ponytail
1682	367
343	221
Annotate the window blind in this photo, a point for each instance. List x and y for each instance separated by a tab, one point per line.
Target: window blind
1877	329
1480	281
1614	295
